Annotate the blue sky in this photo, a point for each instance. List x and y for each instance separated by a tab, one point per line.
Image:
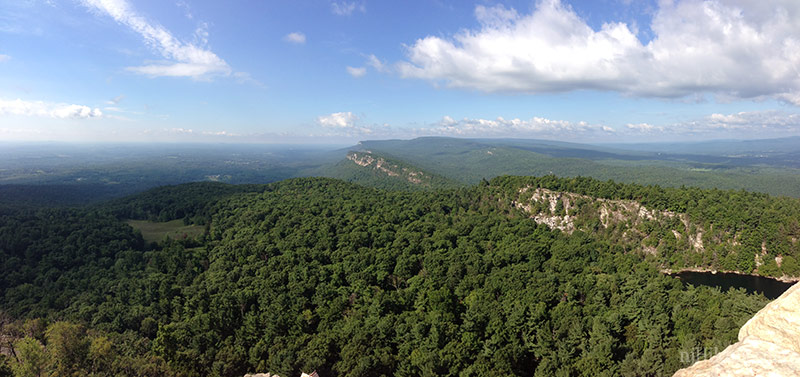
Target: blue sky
342	71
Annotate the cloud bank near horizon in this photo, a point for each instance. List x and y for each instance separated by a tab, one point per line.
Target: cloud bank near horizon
48	110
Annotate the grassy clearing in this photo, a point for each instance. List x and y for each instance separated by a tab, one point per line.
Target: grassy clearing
156	232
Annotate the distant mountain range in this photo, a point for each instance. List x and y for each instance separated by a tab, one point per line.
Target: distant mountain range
769	166
68	174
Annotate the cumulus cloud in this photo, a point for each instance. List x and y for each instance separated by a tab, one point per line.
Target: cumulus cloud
742	125
220	133
4	58
338	120
356	71
771	121
643	127
48	110
179	130
296	38
501	127
736	48
346	123
346	8
183	59
745	125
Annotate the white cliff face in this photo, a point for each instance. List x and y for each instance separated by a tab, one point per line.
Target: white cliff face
367	160
561	210
769	344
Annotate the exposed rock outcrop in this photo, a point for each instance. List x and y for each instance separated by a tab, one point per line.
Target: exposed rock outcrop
769	344
368	160
564	210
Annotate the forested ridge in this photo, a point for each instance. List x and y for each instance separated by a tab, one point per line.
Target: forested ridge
322	274
733	230
470	160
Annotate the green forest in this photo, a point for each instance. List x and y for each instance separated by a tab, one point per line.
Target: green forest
321	274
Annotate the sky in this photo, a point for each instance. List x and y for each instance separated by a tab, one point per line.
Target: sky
322	71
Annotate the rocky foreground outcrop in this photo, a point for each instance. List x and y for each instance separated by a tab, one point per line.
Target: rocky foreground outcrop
769	344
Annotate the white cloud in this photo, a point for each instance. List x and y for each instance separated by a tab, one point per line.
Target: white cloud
48	110
356	71
501	127
643	127
187	11
735	48
246	78
183	59
179	131
201	34
376	63
4	58
346	8
20	131
346	123
338	120
744	125
754	121
116	100
792	98
296	37
220	133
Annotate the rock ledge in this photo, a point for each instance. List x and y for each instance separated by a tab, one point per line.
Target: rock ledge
769	344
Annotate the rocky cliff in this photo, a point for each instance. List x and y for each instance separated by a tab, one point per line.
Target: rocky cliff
700	244
769	344
366	159
390	168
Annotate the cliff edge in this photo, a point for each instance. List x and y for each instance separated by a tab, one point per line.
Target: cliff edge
769	344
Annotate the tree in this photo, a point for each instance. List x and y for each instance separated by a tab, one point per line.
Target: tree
100	354
32	359
68	347
5	366
790	266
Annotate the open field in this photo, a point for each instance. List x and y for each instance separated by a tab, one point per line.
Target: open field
175	229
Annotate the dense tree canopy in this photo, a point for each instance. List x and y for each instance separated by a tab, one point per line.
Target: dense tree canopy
321	274
737	227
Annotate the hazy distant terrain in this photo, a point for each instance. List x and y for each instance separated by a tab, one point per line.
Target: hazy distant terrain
76	174
765	166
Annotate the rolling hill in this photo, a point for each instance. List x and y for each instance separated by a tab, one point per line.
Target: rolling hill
470	160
